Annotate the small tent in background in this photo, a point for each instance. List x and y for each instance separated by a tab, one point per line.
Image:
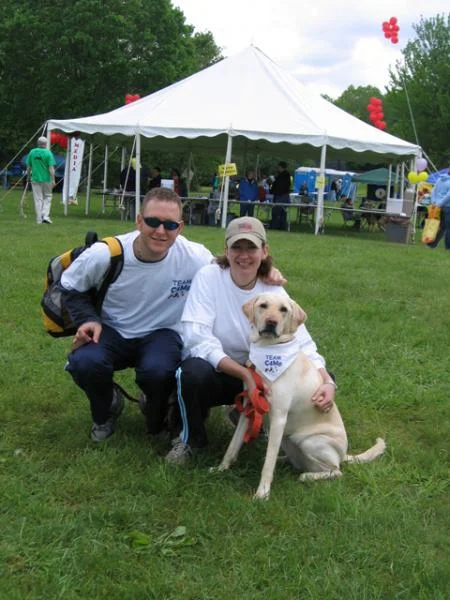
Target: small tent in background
377	182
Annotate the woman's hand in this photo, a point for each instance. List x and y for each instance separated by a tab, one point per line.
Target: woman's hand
323	398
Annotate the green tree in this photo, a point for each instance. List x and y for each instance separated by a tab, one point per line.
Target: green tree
424	77
82	57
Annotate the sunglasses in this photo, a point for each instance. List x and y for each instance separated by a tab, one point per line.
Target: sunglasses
155	223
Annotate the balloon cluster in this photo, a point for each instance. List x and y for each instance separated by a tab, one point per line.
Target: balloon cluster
376	115
391	29
419	175
129	98
58	138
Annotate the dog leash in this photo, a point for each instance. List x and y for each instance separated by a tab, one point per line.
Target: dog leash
256	407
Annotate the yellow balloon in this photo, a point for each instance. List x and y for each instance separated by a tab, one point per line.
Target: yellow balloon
413	177
423	176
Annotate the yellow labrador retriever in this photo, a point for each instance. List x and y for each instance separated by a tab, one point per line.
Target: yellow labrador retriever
315	442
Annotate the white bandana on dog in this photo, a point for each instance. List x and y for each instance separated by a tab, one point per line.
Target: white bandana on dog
272	361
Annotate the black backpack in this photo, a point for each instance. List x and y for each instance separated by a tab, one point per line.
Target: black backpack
57	321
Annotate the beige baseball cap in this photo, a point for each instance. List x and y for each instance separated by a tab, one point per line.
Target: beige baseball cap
246	228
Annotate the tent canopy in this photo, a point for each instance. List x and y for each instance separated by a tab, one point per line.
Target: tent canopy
250	98
374	177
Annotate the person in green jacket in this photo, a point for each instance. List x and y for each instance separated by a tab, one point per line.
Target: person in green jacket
41	173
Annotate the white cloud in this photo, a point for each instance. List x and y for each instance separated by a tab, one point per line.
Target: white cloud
327	45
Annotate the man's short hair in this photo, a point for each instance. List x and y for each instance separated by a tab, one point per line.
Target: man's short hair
162	195
282	164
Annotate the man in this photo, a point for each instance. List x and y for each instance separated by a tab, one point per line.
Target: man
41	173
139	325
155	180
248	193
440	196
280	190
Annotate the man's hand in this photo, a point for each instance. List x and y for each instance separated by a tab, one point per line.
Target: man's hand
87	333
323	399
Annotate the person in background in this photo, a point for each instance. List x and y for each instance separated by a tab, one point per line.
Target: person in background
128	177
280	189
248	192
440	196
41	173
216	334
179	184
155	179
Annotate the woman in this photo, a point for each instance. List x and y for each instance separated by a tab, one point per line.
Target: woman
179	184
216	334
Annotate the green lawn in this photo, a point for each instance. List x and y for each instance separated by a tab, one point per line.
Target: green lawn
114	522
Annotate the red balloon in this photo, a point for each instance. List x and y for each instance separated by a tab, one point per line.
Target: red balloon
394	39
393	20
395	28
377	124
387	34
385	25
381	125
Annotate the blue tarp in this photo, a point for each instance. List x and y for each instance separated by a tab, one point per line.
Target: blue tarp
435	176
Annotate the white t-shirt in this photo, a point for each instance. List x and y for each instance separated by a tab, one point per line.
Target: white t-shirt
147	295
214	324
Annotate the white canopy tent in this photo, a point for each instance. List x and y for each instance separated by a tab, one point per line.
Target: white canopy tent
244	102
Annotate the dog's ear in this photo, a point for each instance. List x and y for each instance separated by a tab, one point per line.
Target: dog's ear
249	309
298	316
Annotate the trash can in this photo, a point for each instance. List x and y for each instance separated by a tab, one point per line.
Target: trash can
398	232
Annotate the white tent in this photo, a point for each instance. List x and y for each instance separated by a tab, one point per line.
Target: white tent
244	102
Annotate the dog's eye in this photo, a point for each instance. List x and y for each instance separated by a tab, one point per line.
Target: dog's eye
283	309
263	305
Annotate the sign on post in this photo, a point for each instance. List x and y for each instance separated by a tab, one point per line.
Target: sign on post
227	170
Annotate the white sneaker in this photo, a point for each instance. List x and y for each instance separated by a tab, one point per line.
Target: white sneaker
47	220
180	454
99	433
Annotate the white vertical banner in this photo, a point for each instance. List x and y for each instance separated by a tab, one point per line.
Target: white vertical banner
72	170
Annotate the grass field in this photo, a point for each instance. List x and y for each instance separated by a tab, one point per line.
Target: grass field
116	522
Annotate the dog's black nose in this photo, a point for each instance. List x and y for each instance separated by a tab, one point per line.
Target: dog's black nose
270	325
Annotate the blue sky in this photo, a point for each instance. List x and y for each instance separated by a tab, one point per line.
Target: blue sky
328	45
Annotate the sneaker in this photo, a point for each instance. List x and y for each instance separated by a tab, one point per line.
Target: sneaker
47	220
100	433
179	455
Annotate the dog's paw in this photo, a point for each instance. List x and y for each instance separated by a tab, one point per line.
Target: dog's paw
262	493
218	469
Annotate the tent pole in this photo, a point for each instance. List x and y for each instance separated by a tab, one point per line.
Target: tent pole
388	191
123	158
319	210
189	174
402	180
227	183
397	172
89	180
105	177
138	176
66	184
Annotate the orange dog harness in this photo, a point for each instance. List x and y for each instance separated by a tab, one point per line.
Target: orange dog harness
255	408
